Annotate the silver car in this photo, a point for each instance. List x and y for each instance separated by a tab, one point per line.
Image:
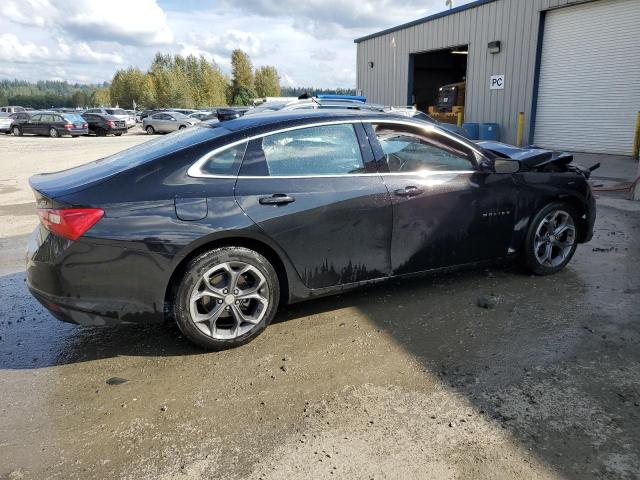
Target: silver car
5	123
164	122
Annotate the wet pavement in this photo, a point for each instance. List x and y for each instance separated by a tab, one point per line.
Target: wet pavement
409	379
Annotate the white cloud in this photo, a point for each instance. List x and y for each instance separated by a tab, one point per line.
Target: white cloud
223	43
12	49
134	22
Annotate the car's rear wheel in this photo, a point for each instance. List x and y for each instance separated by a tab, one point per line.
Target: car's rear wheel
16	131
552	239
119	134
226	297
53	133
150	130
182	127
101	132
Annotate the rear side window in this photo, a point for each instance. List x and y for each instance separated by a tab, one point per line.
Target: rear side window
322	150
225	162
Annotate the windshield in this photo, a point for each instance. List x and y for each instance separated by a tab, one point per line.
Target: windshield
424	116
116	111
267	107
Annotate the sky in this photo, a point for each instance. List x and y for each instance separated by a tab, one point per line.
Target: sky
310	42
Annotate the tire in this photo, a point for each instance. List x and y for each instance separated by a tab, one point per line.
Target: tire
219	266
548	247
101	132
182	127
150	130
17	132
53	133
118	134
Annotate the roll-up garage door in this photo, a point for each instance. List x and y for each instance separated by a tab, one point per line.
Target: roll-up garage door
589	90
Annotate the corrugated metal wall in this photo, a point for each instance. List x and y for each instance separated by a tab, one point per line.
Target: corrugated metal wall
514	22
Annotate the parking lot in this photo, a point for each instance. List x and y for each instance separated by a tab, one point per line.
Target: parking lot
410	379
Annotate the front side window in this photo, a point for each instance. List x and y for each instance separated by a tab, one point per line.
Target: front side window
322	150
225	162
411	149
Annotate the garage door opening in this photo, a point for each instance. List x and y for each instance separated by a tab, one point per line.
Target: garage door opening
438	82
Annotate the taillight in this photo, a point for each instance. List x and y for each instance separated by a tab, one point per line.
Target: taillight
86	125
68	126
111	124
69	223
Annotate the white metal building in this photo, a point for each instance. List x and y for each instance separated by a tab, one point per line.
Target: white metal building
572	66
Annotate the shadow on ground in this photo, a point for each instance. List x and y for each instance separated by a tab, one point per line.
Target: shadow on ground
556	363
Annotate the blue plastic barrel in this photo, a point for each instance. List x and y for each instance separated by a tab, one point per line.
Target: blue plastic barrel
490	131
472	129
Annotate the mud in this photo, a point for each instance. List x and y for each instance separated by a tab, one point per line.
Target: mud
410	379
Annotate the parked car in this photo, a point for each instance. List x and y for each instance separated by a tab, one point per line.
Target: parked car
103	125
133	114
219	224
52	124
12	109
5	123
204	116
165	122
120	113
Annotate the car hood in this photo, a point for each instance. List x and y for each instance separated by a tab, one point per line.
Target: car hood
532	157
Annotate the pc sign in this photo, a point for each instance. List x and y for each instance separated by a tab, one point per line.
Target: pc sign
496	82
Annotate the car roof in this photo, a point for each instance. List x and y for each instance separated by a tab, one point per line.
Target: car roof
284	118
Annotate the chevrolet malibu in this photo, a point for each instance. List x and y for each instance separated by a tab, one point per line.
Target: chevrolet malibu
217	225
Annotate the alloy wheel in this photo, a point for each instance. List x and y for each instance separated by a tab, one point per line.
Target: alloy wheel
555	238
229	300
53	133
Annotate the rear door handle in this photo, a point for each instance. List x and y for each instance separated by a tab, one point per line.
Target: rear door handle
409	191
277	199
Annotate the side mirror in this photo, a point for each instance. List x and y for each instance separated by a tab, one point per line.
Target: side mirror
502	165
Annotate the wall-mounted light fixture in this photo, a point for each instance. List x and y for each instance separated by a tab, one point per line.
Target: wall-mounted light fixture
494	47
370	64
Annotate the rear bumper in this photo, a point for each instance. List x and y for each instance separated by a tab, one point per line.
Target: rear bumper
76	132
89	283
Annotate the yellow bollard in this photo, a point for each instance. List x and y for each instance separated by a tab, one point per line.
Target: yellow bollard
636	138
520	129
459	119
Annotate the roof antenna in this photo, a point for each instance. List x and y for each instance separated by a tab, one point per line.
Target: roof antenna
449	3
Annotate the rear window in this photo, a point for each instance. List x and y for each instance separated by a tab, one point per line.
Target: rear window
115	111
73	117
140	154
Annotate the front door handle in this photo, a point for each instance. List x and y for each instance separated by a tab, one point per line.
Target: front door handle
409	191
277	199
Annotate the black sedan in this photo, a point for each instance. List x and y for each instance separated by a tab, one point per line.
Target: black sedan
51	124
102	124
217	225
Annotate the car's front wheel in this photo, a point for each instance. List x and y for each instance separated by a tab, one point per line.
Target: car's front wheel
226	297
16	131
53	133
552	239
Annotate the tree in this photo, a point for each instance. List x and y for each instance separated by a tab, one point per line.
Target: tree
267	82
242	87
101	97
132	85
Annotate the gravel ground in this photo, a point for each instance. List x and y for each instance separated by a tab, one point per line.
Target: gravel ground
409	379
